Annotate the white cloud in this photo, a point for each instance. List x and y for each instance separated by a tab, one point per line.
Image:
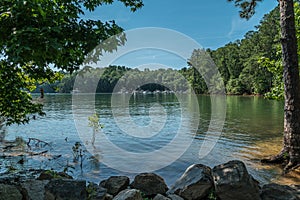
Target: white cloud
241	26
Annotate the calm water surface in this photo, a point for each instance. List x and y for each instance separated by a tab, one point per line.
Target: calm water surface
252	130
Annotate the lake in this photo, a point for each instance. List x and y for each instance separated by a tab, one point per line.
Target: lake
252	130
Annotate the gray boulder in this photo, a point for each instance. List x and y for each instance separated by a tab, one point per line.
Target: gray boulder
297	188
160	197
279	192
95	192
34	189
175	197
65	189
115	184
102	183
129	194
108	197
232	182
150	184
9	192
195	183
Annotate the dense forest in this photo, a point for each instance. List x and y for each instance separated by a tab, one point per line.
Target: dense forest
251	65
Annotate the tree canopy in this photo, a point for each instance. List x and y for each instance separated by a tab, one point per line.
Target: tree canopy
290	154
42	35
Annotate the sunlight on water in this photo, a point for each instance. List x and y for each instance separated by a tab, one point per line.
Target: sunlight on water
252	131
265	149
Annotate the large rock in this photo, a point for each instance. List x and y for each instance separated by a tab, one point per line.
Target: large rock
160	197
232	182
278	192
195	183
174	197
129	194
9	192
96	192
296	188
108	197
115	184
65	189
150	184
34	189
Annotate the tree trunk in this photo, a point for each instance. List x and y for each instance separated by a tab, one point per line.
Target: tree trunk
291	144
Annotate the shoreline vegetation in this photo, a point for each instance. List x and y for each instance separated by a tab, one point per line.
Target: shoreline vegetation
165	81
250	66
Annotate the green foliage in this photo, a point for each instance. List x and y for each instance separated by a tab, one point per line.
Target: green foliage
247	7
286	155
144	196
91	190
198	63
251	65
265	45
38	36
275	67
77	151
274	63
11	168
53	174
129	79
254	78
15	102
212	195
94	122
242	64
234	87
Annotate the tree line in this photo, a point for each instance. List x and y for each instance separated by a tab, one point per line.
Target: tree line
128	80
250	66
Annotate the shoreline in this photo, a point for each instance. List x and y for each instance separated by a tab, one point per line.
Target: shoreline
228	181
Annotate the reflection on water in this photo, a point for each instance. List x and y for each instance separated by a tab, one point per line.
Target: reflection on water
252	130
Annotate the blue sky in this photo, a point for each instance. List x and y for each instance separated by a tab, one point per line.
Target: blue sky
212	23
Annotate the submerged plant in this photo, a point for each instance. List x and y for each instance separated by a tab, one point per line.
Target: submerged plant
78	153
76	150
95	124
20	142
11	168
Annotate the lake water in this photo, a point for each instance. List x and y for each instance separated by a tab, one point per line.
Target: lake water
252	130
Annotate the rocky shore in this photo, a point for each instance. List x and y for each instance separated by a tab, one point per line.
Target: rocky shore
229	181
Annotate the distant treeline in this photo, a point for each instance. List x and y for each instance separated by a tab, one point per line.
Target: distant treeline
128	80
248	66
